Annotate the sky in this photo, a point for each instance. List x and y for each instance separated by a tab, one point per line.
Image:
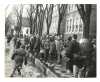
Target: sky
9	9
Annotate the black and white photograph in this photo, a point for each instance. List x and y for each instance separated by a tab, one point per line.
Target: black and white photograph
50	40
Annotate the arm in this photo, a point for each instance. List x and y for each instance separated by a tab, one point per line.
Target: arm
13	55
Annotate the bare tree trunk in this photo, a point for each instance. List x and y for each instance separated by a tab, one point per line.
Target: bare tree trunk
33	30
58	31
86	28
49	9
31	27
85	13
48	28
62	12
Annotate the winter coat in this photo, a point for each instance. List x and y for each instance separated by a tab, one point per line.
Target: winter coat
19	56
74	49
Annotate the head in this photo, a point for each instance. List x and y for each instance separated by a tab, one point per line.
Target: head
74	37
51	39
93	41
69	38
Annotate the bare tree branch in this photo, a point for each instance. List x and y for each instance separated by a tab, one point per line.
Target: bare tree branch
62	12
19	12
49	12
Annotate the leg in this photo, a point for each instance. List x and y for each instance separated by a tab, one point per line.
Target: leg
70	66
19	72
13	73
81	72
75	70
58	57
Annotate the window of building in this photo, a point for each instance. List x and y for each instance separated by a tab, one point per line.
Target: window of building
67	26
69	8
72	7
73	28
70	28
80	28
66	29
76	28
70	25
75	7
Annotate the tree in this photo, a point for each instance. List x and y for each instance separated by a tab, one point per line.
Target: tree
30	12
49	12
7	24
62	11
85	13
41	14
18	10
33	12
7	20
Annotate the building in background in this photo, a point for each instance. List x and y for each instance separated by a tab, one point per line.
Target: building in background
25	29
25	26
72	22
